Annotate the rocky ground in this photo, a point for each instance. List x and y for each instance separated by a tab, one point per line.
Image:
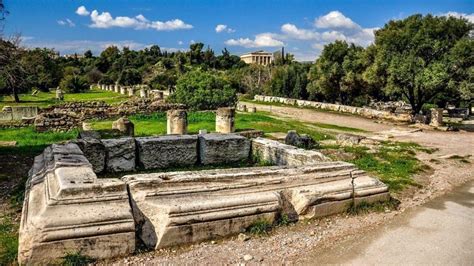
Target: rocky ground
451	165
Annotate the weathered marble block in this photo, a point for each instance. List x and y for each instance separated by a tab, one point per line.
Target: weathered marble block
276	153
175	208
94	151
120	154
223	148
67	210
165	151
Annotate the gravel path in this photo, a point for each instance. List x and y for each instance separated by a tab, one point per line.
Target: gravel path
305	241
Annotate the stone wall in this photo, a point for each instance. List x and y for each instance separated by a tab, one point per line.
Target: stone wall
9	113
362	111
77	112
160	152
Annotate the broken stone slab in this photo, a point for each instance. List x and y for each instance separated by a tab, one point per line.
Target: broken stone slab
223	149
94	151
120	154
67	209
346	139
174	208
301	141
7	143
275	153
165	151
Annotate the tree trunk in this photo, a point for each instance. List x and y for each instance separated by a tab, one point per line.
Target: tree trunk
15	95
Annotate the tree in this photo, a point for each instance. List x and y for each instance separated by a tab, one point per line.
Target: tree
72	81
336	75
414	55
201	90
12	72
130	76
42	69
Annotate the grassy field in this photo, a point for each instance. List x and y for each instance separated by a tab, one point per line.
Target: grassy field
149	125
45	99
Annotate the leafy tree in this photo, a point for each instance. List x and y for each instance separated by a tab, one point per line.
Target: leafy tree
12	72
337	73
73	84
42	69
414	55
201	90
130	76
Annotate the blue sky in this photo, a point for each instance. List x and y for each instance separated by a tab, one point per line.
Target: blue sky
303	27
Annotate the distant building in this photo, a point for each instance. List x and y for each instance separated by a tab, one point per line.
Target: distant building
258	57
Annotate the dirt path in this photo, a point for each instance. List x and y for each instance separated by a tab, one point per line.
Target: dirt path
440	232
306	241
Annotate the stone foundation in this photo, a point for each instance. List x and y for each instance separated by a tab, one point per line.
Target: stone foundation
67	209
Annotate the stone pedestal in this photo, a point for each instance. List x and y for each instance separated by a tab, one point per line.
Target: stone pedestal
436	117
123	90
131	91
242	107
177	122
101	86
225	120
143	93
124	125
252	109
117	88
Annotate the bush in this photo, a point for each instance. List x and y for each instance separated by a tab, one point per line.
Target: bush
203	91
73	83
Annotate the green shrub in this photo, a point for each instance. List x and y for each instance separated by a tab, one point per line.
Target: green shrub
260	227
203	91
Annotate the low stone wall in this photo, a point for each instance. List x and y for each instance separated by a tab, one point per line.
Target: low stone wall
9	113
81	111
68	209
362	111
131	154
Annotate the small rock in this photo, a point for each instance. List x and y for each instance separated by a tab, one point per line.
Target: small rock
243	237
312	233
213	242
248	257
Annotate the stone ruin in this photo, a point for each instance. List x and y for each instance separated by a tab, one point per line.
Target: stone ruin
70	207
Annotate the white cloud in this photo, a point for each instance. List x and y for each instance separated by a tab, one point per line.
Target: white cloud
66	22
469	17
82	11
223	28
105	20
331	36
180	43
335	19
261	40
300	34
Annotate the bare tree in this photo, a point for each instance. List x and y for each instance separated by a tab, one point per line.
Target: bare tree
11	69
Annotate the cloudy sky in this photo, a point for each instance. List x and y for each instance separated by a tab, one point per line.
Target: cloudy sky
303	27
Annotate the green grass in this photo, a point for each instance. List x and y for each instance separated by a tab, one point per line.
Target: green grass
8	241
29	141
45	99
155	124
365	207
260	227
394	163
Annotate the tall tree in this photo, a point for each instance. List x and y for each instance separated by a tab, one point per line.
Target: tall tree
414	54
12	72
